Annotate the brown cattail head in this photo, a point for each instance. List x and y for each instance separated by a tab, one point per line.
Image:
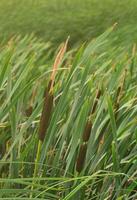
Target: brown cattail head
87	131
118	92
81	157
29	111
46	113
96	101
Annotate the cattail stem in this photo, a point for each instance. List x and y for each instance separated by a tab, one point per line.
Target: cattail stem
37	157
36	165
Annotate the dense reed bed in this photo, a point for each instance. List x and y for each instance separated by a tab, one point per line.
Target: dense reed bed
68	125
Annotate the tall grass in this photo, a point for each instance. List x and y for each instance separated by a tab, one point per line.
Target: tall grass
89	150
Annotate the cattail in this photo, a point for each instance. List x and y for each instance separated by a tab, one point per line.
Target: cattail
29	111
46	112
87	131
88	126
48	95
47	106
96	101
86	136
81	157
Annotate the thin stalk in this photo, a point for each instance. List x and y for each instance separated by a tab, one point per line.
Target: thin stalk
36	166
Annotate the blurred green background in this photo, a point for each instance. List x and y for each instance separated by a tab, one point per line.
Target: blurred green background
81	19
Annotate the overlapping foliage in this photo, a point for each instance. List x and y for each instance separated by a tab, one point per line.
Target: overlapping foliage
90	147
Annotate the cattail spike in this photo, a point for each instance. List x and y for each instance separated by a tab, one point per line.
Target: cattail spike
46	113
96	101
29	111
81	157
87	131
